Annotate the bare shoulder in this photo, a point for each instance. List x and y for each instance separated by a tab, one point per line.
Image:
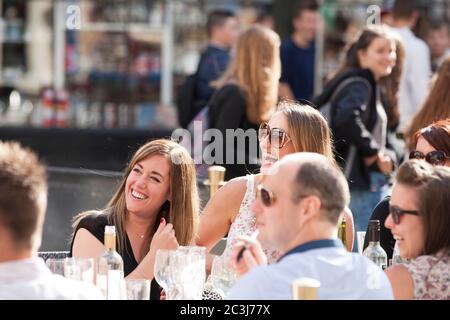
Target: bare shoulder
228	198
86	245
401	281
236	187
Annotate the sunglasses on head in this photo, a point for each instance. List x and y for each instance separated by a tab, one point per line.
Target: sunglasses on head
267	196
396	213
277	137
436	157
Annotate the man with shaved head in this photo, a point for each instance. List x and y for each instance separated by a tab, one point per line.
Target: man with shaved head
298	207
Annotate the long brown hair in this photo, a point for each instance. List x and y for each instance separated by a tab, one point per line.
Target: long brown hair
256	69
308	129
436	106
181	211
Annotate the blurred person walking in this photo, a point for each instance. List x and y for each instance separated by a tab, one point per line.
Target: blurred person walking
298	54
246	96
417	69
360	119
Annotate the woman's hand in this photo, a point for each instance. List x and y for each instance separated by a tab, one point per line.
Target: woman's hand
385	164
164	237
251	257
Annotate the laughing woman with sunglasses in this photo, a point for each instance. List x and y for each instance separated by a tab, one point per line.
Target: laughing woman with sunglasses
419	219
293	128
432	144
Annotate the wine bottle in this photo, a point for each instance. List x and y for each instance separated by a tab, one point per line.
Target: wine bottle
110	277
374	251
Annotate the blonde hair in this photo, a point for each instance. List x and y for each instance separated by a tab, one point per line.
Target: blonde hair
256	69
181	211
307	129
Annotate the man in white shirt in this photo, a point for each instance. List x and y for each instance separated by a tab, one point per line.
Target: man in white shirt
23	201
417	68
298	207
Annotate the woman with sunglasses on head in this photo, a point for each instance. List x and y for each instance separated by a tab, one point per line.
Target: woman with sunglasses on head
432	144
419	220
293	128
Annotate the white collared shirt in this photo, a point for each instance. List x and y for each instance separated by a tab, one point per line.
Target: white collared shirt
342	275
416	74
30	279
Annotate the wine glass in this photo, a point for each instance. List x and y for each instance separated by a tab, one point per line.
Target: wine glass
163	270
193	272
138	289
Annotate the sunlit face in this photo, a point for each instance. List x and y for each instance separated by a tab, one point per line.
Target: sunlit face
229	31
425	147
270	153
439	41
409	233
148	186
306	23
277	223
379	57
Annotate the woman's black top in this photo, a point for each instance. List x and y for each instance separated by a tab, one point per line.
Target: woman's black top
350	127
95	224
387	241
227	110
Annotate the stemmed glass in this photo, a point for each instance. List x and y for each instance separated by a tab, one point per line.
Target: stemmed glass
164	270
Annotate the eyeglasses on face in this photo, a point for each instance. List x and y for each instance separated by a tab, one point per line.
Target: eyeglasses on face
267	196
277	136
397	212
436	157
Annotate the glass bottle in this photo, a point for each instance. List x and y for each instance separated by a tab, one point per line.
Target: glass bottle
342	231
110	277
396	258
374	251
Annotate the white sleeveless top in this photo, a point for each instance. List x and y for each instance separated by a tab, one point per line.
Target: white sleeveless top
245	223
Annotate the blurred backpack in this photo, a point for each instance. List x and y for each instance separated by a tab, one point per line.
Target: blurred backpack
327	109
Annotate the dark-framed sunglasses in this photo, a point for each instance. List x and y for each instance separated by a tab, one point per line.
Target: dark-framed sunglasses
436	157
397	212
267	196
277	136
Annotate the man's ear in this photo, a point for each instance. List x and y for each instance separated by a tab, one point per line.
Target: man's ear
311	206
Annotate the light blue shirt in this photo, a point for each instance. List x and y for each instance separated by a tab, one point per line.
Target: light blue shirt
342	275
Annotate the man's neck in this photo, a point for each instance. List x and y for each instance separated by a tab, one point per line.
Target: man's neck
300	41
308	234
11	255
218	43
